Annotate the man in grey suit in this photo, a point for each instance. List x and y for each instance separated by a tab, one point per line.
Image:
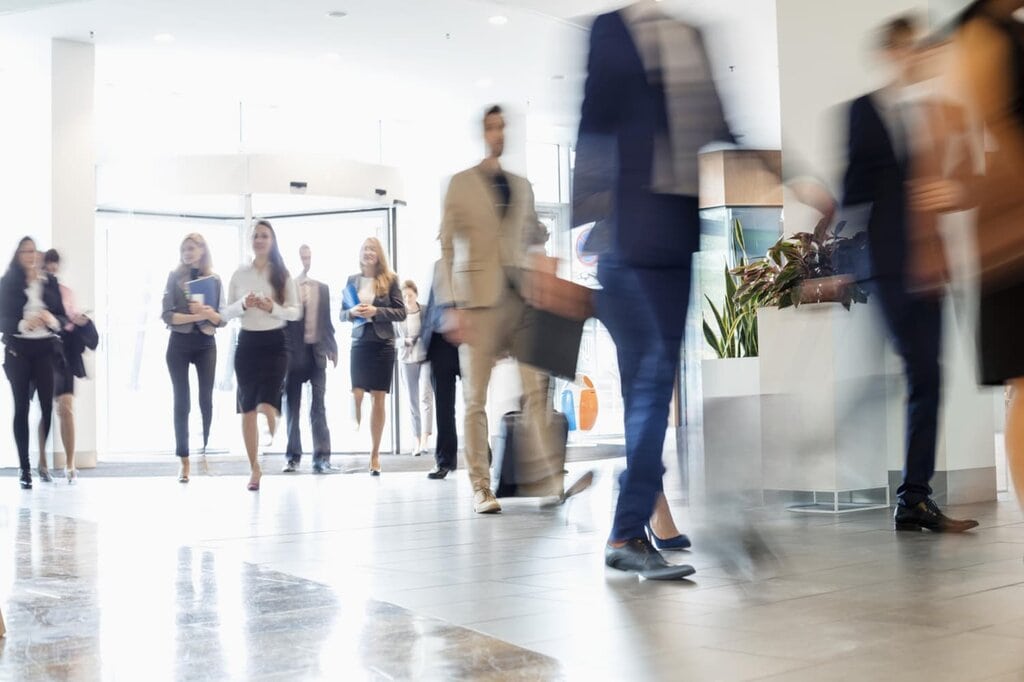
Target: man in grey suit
489	226
311	344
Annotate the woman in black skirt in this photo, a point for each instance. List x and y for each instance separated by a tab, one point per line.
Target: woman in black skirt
193	320
264	296
372	301
31	317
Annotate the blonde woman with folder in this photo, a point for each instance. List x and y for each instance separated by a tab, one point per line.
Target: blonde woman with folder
191	303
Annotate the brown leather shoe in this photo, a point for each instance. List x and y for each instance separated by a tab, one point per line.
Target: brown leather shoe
926	515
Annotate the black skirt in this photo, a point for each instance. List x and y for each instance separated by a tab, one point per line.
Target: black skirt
261	362
372	362
1001	335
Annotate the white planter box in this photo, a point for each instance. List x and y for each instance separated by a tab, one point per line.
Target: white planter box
823	408
727	463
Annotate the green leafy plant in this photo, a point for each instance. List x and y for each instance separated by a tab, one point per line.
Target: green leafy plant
735	332
804	268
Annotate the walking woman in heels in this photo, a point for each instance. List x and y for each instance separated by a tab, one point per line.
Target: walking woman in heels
193	319
77	336
264	296
31	317
372	302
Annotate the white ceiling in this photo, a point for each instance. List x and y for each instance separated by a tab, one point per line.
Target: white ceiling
439	55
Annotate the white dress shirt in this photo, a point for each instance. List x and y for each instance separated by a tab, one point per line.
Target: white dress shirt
247	279
33	306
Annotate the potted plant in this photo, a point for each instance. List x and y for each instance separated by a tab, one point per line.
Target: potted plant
805	268
735	332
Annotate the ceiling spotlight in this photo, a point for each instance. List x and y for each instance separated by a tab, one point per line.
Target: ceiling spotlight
163	38
337	14
558	77
498	20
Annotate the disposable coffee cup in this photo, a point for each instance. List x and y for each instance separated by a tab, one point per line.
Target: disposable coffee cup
198	298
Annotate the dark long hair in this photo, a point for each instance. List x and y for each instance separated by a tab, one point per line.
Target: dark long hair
278	271
15	267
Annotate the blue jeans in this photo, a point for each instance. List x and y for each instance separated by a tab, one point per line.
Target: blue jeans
644	310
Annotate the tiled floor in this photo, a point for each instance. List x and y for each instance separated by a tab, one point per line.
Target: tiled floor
348	577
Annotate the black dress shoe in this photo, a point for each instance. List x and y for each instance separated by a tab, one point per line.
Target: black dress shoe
291	467
26	480
438	473
639	556
926	515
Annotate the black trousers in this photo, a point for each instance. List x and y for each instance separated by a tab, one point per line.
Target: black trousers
317	377
915	325
444	368
28	364
184	350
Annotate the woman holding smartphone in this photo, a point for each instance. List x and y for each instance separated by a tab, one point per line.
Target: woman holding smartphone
193	320
31	317
372	301
264	296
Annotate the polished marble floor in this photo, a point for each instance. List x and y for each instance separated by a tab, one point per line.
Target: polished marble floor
349	577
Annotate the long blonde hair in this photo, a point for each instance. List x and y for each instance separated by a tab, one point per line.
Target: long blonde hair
384	277
205	264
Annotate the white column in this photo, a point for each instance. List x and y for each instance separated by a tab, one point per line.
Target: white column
73	209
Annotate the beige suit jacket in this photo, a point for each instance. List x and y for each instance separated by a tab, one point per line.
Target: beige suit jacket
480	250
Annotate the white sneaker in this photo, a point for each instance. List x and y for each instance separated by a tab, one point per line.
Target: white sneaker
484	502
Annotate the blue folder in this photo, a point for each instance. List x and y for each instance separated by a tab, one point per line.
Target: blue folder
207	286
349	300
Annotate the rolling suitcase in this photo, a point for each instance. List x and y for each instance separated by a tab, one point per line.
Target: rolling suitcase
507	446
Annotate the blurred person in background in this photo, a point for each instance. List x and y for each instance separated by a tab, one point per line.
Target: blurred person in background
989	70
907	161
78	334
311	345
416	368
650	105
31	318
443	358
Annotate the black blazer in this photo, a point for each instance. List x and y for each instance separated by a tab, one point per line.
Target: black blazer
76	342
876	177
623	117
390	309
326	345
13	300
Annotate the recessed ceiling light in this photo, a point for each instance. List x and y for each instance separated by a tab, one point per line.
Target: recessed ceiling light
498	20
163	38
337	14
558	77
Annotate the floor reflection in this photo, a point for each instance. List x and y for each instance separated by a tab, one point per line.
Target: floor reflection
83	605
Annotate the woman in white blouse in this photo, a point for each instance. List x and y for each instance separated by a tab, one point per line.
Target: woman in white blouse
264	296
31	316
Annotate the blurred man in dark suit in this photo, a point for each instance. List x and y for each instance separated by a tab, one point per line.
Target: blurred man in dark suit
311	344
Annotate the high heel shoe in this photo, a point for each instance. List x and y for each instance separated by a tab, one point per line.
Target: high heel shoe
375	470
72	476
44	475
182	472
254	481
678	542
26	479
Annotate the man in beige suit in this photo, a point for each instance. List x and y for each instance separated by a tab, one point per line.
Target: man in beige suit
488	229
